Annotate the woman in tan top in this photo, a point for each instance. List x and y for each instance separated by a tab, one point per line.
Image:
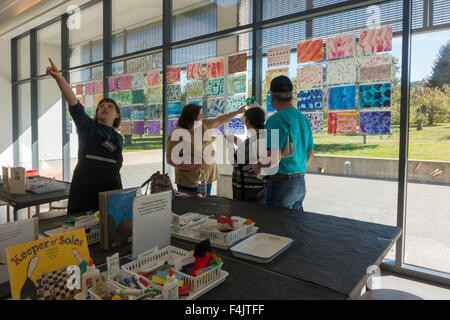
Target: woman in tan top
191	127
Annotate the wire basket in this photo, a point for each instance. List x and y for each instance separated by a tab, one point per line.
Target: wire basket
171	254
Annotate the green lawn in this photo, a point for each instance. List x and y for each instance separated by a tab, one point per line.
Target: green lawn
432	143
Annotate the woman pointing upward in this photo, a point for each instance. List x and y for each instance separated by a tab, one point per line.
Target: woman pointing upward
100	149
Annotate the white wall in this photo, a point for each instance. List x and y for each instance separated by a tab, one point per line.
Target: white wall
6	150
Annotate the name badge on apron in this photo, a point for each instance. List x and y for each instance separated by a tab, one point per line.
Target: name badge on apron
109	145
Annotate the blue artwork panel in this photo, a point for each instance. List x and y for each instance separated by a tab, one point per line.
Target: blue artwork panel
310	100
341	98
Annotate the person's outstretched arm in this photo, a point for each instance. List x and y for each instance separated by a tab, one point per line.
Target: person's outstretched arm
65	88
220	121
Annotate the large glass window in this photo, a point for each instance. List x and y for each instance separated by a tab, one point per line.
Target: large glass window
427	241
48	46
23	58
50	129
137	25
24	108
136	85
86	36
87	84
355	162
195	18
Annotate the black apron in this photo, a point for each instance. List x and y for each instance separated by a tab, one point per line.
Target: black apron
98	170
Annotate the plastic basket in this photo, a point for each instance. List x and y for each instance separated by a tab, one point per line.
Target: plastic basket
188	229
92	231
224	238
170	254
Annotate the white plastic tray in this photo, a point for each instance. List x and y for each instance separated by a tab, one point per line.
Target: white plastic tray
220	245
197	294
262	247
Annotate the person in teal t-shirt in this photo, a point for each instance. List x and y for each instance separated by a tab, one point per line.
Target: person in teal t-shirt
290	146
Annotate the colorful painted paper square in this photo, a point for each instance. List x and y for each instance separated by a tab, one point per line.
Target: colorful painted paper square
173	92
154	94
115	96
237	63
236	102
154	128
215	87
139	127
237	84
341	71
220	131
98	98
215	107
215	68
138	112
310	51
340	98
172	124
79	88
125	113
137	80
126	128
98	87
194	89
342	122
278	56
173	74
89	101
194	71
375	40
310	77
236	127
124	98
196	102
174	109
375	122
341	47
153	78
375	95
89	88
125	82
310	100
137	96
316	121
113	84
269	106
153	111
272	74
376	73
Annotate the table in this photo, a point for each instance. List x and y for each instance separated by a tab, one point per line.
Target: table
245	282
328	251
31	199
328	260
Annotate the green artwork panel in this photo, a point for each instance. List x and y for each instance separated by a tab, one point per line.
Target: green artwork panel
137	96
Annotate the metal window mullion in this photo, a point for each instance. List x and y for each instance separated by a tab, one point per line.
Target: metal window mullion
107	44
257	51
65	58
15	102
404	131
167	41
34	102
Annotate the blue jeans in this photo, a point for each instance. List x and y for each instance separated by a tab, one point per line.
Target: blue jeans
287	193
194	190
